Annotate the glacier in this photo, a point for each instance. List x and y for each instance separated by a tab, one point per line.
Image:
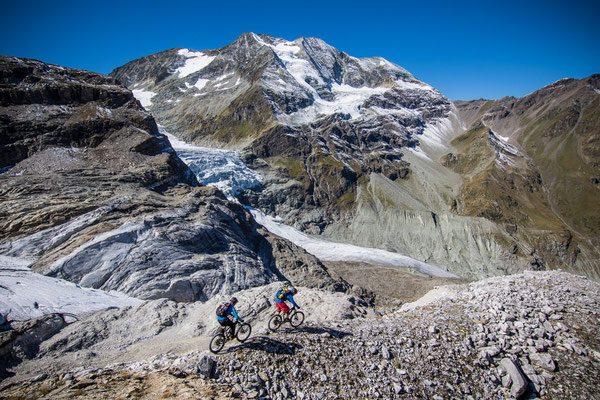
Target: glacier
225	170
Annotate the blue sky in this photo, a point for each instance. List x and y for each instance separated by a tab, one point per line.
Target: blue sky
466	49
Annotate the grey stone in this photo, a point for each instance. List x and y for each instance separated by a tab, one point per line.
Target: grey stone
206	366
519	383
543	360
385	353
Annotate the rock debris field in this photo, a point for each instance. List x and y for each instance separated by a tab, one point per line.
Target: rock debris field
532	335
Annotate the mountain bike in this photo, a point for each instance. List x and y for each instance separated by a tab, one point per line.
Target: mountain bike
295	318
241	332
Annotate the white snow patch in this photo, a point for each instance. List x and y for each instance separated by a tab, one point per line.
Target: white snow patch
21	289
196	61
436	134
348	100
506	152
331	251
414	85
201	83
144	97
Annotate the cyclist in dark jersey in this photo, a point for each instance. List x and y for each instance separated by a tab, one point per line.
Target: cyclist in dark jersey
229	309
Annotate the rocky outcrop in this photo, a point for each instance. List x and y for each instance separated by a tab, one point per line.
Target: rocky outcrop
72	141
21	340
185	244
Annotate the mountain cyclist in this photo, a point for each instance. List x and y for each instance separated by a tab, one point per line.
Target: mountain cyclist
223	313
282	295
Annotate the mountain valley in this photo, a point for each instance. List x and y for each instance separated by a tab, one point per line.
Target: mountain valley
441	249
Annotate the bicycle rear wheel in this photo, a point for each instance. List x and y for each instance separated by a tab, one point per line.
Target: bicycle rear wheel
243	332
297	319
275	322
217	343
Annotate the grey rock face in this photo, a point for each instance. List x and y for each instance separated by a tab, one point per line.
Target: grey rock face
73	141
22	341
543	360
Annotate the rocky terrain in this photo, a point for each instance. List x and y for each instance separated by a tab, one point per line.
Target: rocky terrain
533	335
523	335
73	141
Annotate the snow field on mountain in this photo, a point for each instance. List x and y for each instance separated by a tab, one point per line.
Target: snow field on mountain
144	97
29	295
196	61
347	99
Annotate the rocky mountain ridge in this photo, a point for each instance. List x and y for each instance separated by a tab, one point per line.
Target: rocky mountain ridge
317	117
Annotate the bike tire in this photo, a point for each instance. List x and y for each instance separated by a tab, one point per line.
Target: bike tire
243	332
297	319
217	342
275	322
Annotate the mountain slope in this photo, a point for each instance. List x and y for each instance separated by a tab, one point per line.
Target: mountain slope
360	151
317	117
550	181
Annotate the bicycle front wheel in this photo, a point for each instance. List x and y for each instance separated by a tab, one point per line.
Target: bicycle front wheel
275	322
243	332
217	343
297	319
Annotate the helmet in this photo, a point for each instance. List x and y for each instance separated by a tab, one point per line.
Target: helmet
233	301
294	290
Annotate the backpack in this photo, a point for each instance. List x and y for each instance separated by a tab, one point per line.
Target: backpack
282	293
222	310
